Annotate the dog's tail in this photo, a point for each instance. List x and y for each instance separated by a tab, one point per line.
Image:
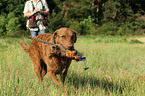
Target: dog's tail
24	46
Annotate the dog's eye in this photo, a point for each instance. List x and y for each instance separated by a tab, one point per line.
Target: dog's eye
63	36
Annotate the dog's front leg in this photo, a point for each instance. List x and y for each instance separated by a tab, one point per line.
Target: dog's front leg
54	79
63	75
57	82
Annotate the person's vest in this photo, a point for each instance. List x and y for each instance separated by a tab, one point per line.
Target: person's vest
33	21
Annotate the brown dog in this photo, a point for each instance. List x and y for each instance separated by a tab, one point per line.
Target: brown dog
42	59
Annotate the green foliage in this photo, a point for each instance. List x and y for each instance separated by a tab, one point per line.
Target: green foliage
85	27
88	17
109	28
136	41
2	25
124	30
13	25
112	11
56	21
77	10
75	25
122	15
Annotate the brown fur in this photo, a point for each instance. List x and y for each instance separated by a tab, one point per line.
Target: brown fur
24	46
43	61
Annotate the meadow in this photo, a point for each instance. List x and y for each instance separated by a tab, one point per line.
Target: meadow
116	68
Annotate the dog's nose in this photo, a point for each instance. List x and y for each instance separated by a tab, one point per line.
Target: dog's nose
70	46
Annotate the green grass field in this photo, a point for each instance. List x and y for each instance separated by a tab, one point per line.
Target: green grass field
117	68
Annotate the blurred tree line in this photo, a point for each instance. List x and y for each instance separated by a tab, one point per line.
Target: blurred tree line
87	17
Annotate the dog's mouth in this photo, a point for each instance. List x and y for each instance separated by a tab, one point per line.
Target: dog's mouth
71	48
68	47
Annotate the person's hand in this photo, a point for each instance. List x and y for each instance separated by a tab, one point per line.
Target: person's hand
36	10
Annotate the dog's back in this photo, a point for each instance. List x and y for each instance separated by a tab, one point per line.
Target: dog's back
42	59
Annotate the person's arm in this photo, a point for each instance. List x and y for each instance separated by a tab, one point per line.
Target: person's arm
44	12
29	14
35	11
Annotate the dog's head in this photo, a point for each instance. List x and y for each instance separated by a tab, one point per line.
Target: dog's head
65	36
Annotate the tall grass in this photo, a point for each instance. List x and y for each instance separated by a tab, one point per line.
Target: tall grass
116	67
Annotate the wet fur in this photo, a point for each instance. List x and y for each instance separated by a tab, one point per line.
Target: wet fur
42	59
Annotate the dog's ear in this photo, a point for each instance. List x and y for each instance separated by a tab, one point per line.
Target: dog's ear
54	36
75	36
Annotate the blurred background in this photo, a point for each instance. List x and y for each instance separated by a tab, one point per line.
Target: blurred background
87	17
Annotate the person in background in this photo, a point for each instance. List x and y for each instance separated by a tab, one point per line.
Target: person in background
36	8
